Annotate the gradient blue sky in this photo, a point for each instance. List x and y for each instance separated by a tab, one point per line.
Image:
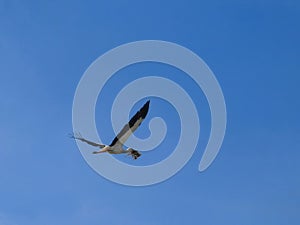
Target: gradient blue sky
253	49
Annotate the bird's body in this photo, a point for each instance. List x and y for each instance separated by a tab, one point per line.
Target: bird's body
116	146
113	150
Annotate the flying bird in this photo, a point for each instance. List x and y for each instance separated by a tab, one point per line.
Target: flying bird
116	146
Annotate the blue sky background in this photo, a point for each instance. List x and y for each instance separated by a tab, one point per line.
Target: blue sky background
253	49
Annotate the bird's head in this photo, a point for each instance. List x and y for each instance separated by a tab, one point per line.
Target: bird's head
134	153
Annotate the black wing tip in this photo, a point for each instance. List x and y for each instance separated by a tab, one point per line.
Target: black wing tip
145	106
144	109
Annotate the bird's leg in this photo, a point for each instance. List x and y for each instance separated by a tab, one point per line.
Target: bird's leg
101	151
105	149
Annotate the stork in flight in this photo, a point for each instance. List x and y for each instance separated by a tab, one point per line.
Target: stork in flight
116	146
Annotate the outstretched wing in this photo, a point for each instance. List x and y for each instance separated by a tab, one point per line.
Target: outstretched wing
133	124
79	137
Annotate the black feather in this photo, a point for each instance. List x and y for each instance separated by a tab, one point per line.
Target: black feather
142	113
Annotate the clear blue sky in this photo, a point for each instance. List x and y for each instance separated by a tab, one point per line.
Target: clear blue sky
252	47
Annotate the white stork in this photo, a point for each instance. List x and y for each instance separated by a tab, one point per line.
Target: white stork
116	146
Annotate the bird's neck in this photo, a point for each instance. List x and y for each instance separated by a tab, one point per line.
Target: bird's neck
127	150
